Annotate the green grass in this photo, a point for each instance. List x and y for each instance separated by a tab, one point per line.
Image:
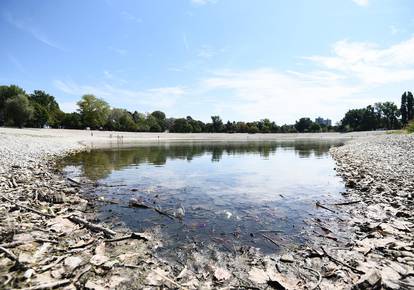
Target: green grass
410	127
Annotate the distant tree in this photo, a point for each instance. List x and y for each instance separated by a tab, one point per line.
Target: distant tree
181	126
410	106
94	112
39	117
18	110
314	127
303	125
6	92
388	114
403	109
72	121
49	105
161	125
217	124
120	120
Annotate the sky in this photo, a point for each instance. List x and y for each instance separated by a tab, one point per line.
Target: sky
242	60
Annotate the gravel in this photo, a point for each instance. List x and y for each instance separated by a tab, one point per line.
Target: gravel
51	237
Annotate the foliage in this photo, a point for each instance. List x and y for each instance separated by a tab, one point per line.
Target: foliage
72	121
410	127
380	116
40	109
6	92
94	111
18	110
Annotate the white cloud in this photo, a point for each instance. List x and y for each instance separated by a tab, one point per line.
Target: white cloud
130	17
361	2
370	64
120	51
203	2
31	29
355	74
152	99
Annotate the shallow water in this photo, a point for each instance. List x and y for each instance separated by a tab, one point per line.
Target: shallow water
231	192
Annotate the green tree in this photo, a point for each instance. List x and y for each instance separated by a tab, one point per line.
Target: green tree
410	106
18	110
72	121
403	109
49	105
6	92
303	125
217	124
161	120
94	112
181	126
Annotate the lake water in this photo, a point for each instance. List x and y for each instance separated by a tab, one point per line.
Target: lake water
231	193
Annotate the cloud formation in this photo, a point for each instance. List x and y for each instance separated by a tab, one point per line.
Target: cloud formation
361	2
33	31
328	85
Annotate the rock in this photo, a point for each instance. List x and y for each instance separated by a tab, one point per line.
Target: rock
287	258
72	262
93	286
221	274
258	276
371	280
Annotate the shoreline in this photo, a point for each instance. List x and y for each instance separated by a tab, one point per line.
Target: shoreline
87	254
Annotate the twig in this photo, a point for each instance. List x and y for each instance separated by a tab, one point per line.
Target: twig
270	239
74	181
49	285
83	245
138	236
324	207
29	208
168	279
9	254
342	263
319	277
93	227
51	265
347	203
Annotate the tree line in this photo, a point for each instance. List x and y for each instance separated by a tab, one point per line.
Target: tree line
40	109
385	115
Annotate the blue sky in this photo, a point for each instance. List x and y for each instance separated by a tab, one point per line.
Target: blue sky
243	60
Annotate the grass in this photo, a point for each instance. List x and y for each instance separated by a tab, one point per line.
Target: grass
410	127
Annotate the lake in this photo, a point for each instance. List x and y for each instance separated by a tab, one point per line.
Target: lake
222	193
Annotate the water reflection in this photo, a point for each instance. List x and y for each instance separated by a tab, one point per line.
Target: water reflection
230	190
97	164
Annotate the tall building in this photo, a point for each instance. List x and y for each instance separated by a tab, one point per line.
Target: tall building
322	121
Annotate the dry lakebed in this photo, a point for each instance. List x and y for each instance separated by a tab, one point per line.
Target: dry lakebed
52	235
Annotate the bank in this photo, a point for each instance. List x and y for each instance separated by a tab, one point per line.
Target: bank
51	236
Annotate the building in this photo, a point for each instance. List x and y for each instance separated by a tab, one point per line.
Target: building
323	122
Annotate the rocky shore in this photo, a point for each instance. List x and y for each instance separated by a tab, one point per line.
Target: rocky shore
50	236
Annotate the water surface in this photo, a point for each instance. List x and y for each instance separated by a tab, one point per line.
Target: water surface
231	192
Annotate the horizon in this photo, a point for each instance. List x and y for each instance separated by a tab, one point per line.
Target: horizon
202	58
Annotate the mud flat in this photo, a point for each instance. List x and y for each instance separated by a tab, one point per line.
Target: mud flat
50	236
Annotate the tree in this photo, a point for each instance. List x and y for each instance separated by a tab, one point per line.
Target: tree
6	92
388	114
72	121
18	110
403	109
43	102
181	126
410	106
93	111
303	125
39	117
217	124
161	120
